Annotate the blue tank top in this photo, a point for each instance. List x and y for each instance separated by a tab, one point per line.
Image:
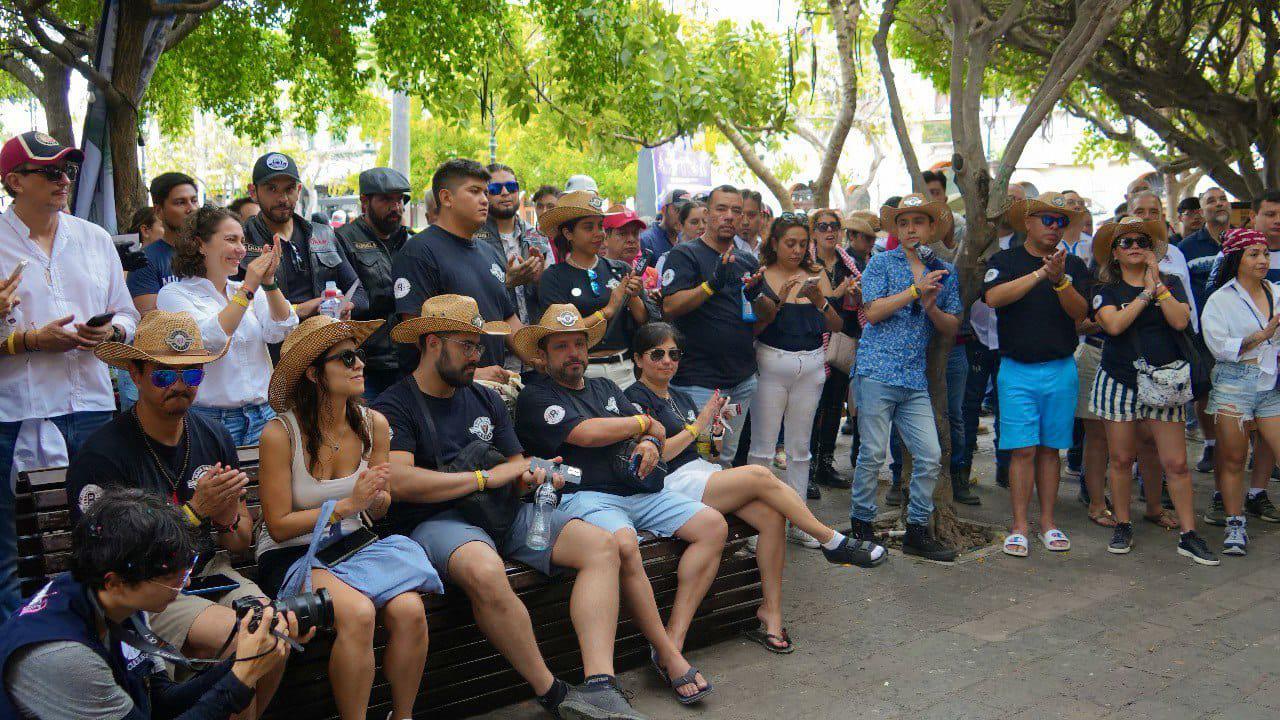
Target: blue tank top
798	327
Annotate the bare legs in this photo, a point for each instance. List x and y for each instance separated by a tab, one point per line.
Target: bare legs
1036	467
206	636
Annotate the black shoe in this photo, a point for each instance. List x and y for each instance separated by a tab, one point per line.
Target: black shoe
827	475
862	553
813	493
1121	539
1193	546
893	498
1216	515
961	490
1260	507
1205	465
599	697
847	427
861	530
920	542
1002	476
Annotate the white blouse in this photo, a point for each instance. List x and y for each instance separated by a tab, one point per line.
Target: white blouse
241	376
1230	316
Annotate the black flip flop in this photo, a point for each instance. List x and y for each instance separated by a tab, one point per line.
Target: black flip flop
772	643
689	678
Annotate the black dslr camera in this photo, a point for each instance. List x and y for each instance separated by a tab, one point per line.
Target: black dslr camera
313	609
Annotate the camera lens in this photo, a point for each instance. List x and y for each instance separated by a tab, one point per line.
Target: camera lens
312	610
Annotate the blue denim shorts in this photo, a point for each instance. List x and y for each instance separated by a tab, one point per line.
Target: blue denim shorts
661	513
1235	391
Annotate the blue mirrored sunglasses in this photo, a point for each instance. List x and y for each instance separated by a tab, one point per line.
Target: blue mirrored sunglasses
497	188
595	282
1059	221
191	377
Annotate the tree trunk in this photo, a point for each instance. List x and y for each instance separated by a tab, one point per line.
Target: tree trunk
755	164
845	21
122	115
52	95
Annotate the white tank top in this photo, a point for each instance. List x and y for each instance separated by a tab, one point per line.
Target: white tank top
310	493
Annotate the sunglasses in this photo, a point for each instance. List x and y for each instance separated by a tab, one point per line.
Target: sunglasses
1058	221
348	358
659	354
498	188
1141	241
595	282
826	226
191	377
794	217
53	173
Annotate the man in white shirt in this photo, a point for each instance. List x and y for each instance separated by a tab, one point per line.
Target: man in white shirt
70	274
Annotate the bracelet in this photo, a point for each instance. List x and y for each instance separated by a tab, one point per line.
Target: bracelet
9	345
641	421
601	314
1164	296
479	480
825	307
707	289
36	344
693	429
193	518
25	346
227	529
269	288
240	300
1146	296
915	291
1062	285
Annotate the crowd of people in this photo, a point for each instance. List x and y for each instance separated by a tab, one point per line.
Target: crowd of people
491	390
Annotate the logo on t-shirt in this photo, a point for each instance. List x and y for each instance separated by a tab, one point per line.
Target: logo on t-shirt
197	474
483	428
401	287
667	276
498	272
553	414
612	405
1097	301
38	602
89	494
992	274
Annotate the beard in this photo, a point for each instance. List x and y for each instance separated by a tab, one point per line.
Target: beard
279	214
386	224
458	377
570	373
502	213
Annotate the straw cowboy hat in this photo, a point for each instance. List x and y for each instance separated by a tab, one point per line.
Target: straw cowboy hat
866	216
859	225
447	313
1104	239
917	203
168	338
570	206
1052	202
558	319
307	343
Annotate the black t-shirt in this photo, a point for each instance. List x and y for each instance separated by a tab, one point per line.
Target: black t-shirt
437	262
473	412
564	283
546	412
1159	341
719	347
1034	329
674	413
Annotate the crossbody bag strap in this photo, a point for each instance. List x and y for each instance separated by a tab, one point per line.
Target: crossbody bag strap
431	425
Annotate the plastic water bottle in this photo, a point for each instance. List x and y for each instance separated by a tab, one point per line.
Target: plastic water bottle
544	501
331	305
748	312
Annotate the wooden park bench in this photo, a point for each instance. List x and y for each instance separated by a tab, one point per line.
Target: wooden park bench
465	675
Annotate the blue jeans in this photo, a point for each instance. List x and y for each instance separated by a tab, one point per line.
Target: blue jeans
957	375
75	429
127	390
983	366
880	407
244	423
739	394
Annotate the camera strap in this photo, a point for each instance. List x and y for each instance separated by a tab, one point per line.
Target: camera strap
136	634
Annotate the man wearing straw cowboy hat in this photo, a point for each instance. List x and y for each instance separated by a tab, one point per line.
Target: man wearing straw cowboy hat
595	427
1038	291
161	447
435	414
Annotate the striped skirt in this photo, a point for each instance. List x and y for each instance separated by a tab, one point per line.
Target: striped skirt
1111	400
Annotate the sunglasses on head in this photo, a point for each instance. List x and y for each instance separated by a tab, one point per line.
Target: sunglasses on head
53	173
659	354
826	226
1058	221
348	357
1141	241
191	377
497	188
798	217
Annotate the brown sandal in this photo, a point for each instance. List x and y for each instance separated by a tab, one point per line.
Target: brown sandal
1164	519
1105	518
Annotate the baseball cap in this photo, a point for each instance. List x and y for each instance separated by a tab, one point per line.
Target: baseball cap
383	181
622	218
35	148
672	196
273	164
581	182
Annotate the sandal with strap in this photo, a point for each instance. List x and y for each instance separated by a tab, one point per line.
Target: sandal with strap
689	678
780	644
1017	545
1164	519
1105	518
1049	537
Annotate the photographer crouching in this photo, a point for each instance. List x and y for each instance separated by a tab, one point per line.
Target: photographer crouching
81	646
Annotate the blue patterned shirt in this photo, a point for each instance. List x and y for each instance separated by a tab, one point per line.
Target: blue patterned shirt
892	351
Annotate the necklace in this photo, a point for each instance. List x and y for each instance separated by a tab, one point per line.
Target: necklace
569	259
164	471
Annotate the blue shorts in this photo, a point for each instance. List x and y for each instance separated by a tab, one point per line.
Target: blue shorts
1037	403
1235	392
661	513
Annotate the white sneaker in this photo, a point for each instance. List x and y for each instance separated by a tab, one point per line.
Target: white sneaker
800	537
1237	539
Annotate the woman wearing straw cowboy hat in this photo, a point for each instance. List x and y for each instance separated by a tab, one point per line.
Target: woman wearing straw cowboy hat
595	427
447	430
1138	379
592	283
326	448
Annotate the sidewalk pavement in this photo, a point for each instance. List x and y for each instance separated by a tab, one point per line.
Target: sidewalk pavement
1083	634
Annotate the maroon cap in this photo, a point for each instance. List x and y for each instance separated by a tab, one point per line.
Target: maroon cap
613	221
35	148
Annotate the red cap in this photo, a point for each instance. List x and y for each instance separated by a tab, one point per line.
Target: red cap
35	148
613	221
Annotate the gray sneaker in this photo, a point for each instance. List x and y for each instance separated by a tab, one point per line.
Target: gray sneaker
599	697
1216	515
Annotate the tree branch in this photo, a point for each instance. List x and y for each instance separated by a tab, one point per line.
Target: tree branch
754	162
183	8
845	20
880	42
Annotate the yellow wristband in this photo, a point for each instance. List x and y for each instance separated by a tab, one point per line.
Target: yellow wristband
640	421
479	481
191	515
707	289
240	300
9	344
601	314
1164	296
693	429
915	291
1062	286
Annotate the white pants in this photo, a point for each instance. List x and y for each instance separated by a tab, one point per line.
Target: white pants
620	372
789	391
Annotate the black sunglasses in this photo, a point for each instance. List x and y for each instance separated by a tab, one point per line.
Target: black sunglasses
191	377
497	188
53	173
659	354
826	226
1142	241
348	357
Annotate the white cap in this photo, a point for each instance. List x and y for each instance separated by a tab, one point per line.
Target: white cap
339	216
581	182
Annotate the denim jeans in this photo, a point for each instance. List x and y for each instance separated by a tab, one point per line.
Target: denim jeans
125	388
984	363
75	429
881	407
739	394
244	423
957	376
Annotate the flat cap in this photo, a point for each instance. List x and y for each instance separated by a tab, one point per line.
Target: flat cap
383	181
